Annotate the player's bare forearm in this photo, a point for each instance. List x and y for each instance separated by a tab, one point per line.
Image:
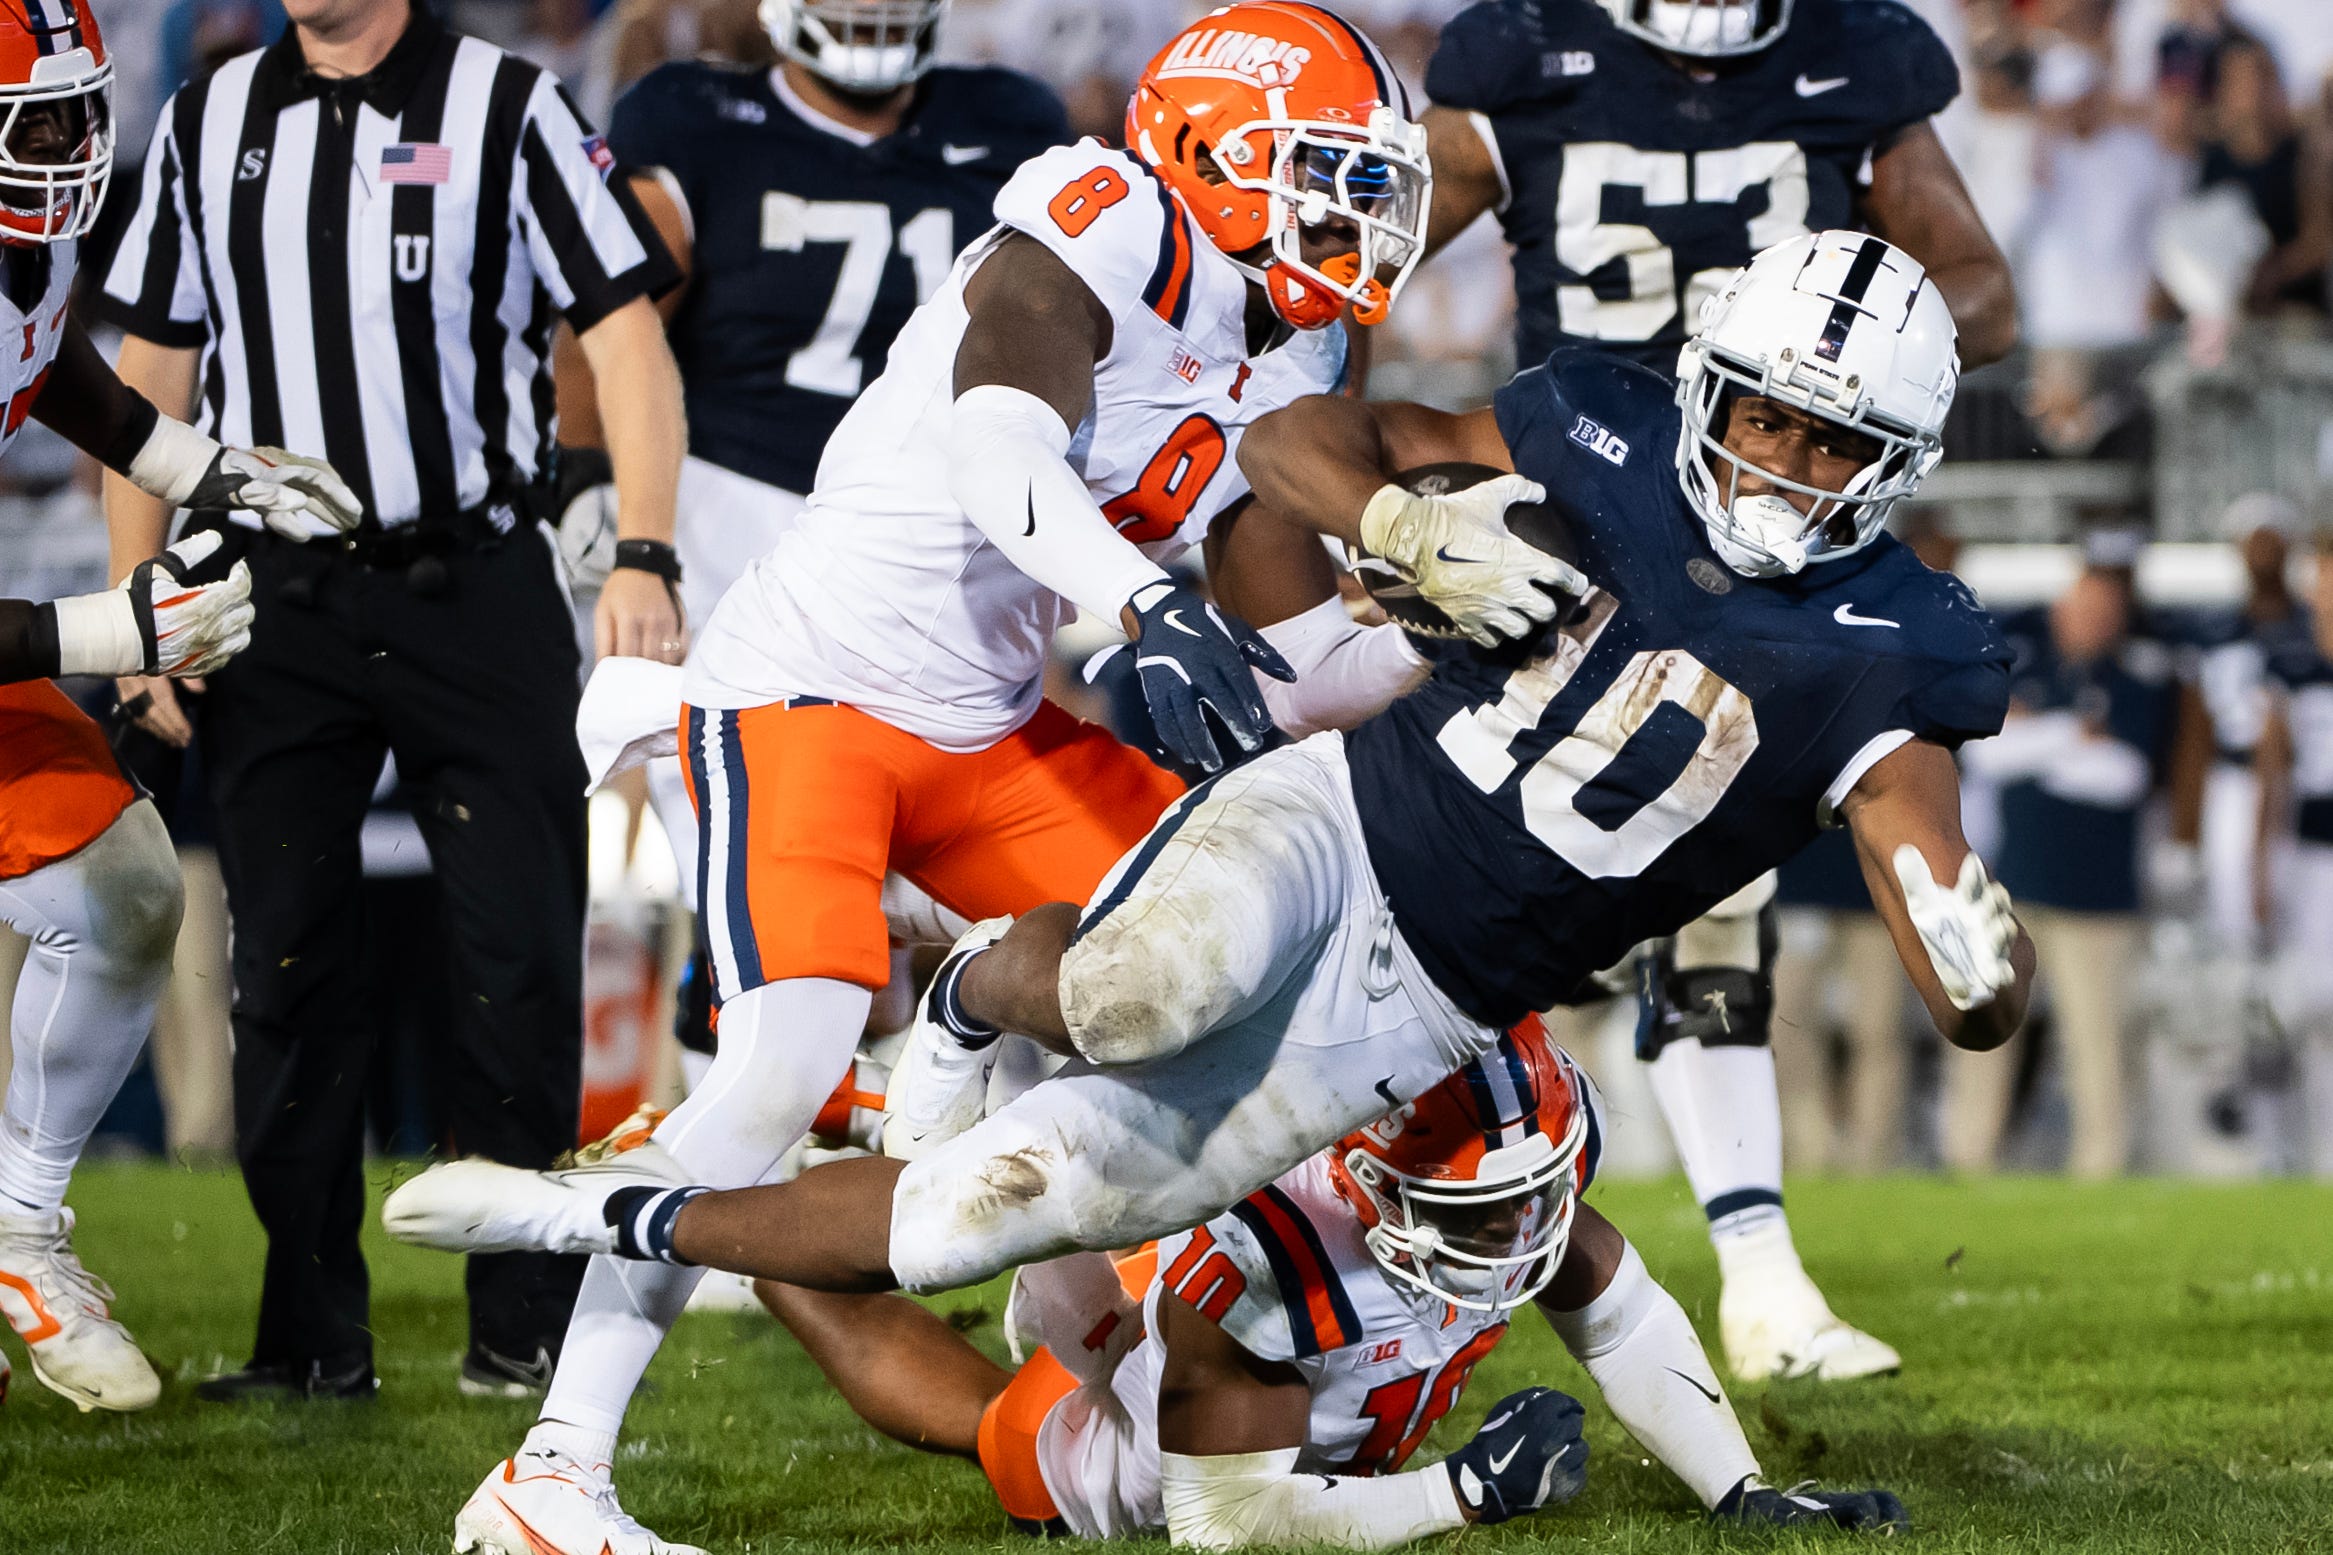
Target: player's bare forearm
1216	1396
1265	569
136	523
1918	202
1466	177
85	402
1317	462
639	392
1912	797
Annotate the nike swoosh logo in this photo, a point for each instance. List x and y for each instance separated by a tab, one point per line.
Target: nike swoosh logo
1174	618
1845	615
1697	1387
957	156
1385	1089
1443	554
1499	1464
1032	529
1808	88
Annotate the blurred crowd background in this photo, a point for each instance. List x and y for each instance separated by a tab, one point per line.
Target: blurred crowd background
2143	490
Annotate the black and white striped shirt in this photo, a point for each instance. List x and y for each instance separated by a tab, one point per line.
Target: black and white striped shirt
372	266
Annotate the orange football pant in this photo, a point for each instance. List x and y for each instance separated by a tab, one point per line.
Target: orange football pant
803	807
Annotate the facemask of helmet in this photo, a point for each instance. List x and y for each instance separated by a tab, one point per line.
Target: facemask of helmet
868	46
1368	185
1487	1244
56	148
1702	29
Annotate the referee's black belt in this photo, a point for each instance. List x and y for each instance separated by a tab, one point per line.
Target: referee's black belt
487	524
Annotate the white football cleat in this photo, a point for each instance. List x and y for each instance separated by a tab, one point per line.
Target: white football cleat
63	1314
544	1502
1777	1326
939	1087
486	1207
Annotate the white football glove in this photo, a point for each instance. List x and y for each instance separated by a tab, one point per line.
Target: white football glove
1464	560
157	623
1967	930
297	497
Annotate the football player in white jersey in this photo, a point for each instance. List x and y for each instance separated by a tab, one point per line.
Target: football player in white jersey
1262	1379
87	873
1056	423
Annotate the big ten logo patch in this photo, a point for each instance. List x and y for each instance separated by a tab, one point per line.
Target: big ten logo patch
1600	439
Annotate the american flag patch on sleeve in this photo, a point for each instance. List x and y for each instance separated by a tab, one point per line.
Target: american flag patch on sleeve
417	162
595	150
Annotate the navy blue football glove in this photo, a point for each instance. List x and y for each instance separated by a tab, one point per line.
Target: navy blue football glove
1193	660
1528	1454
1855	1511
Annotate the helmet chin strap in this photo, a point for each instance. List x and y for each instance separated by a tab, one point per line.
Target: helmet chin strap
1769	537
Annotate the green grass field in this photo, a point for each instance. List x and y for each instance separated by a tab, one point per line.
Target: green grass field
2145	1367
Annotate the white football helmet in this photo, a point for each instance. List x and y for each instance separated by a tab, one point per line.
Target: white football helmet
857	45
1841	325
1705	29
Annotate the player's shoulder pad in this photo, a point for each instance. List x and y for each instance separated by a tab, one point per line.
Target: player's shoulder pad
1111	220
1895	69
1951	674
1601	406
1497	54
1277	1290
1015	115
663	114
1941	618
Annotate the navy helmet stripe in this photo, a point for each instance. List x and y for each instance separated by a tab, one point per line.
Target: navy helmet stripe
1390	90
1860	272
1525	1090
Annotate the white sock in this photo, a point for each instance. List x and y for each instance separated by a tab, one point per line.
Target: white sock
783	1048
102	924
1725	1115
1639	1346
595	1449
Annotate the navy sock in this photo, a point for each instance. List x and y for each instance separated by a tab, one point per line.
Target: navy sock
642	1218
949	1010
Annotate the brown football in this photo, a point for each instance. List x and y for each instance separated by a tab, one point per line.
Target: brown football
1537	522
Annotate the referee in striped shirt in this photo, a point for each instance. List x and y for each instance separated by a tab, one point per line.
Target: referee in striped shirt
358	242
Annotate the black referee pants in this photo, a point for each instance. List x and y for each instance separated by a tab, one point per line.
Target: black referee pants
474	690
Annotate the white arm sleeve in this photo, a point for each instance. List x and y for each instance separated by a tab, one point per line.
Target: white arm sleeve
1232	1501
1639	1346
1346	673
1008	471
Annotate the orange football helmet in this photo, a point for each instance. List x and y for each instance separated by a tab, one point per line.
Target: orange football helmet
1273	120
56	124
1468	1192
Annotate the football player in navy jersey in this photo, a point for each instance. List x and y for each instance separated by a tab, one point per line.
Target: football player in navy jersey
1637	152
811	208
1324	933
